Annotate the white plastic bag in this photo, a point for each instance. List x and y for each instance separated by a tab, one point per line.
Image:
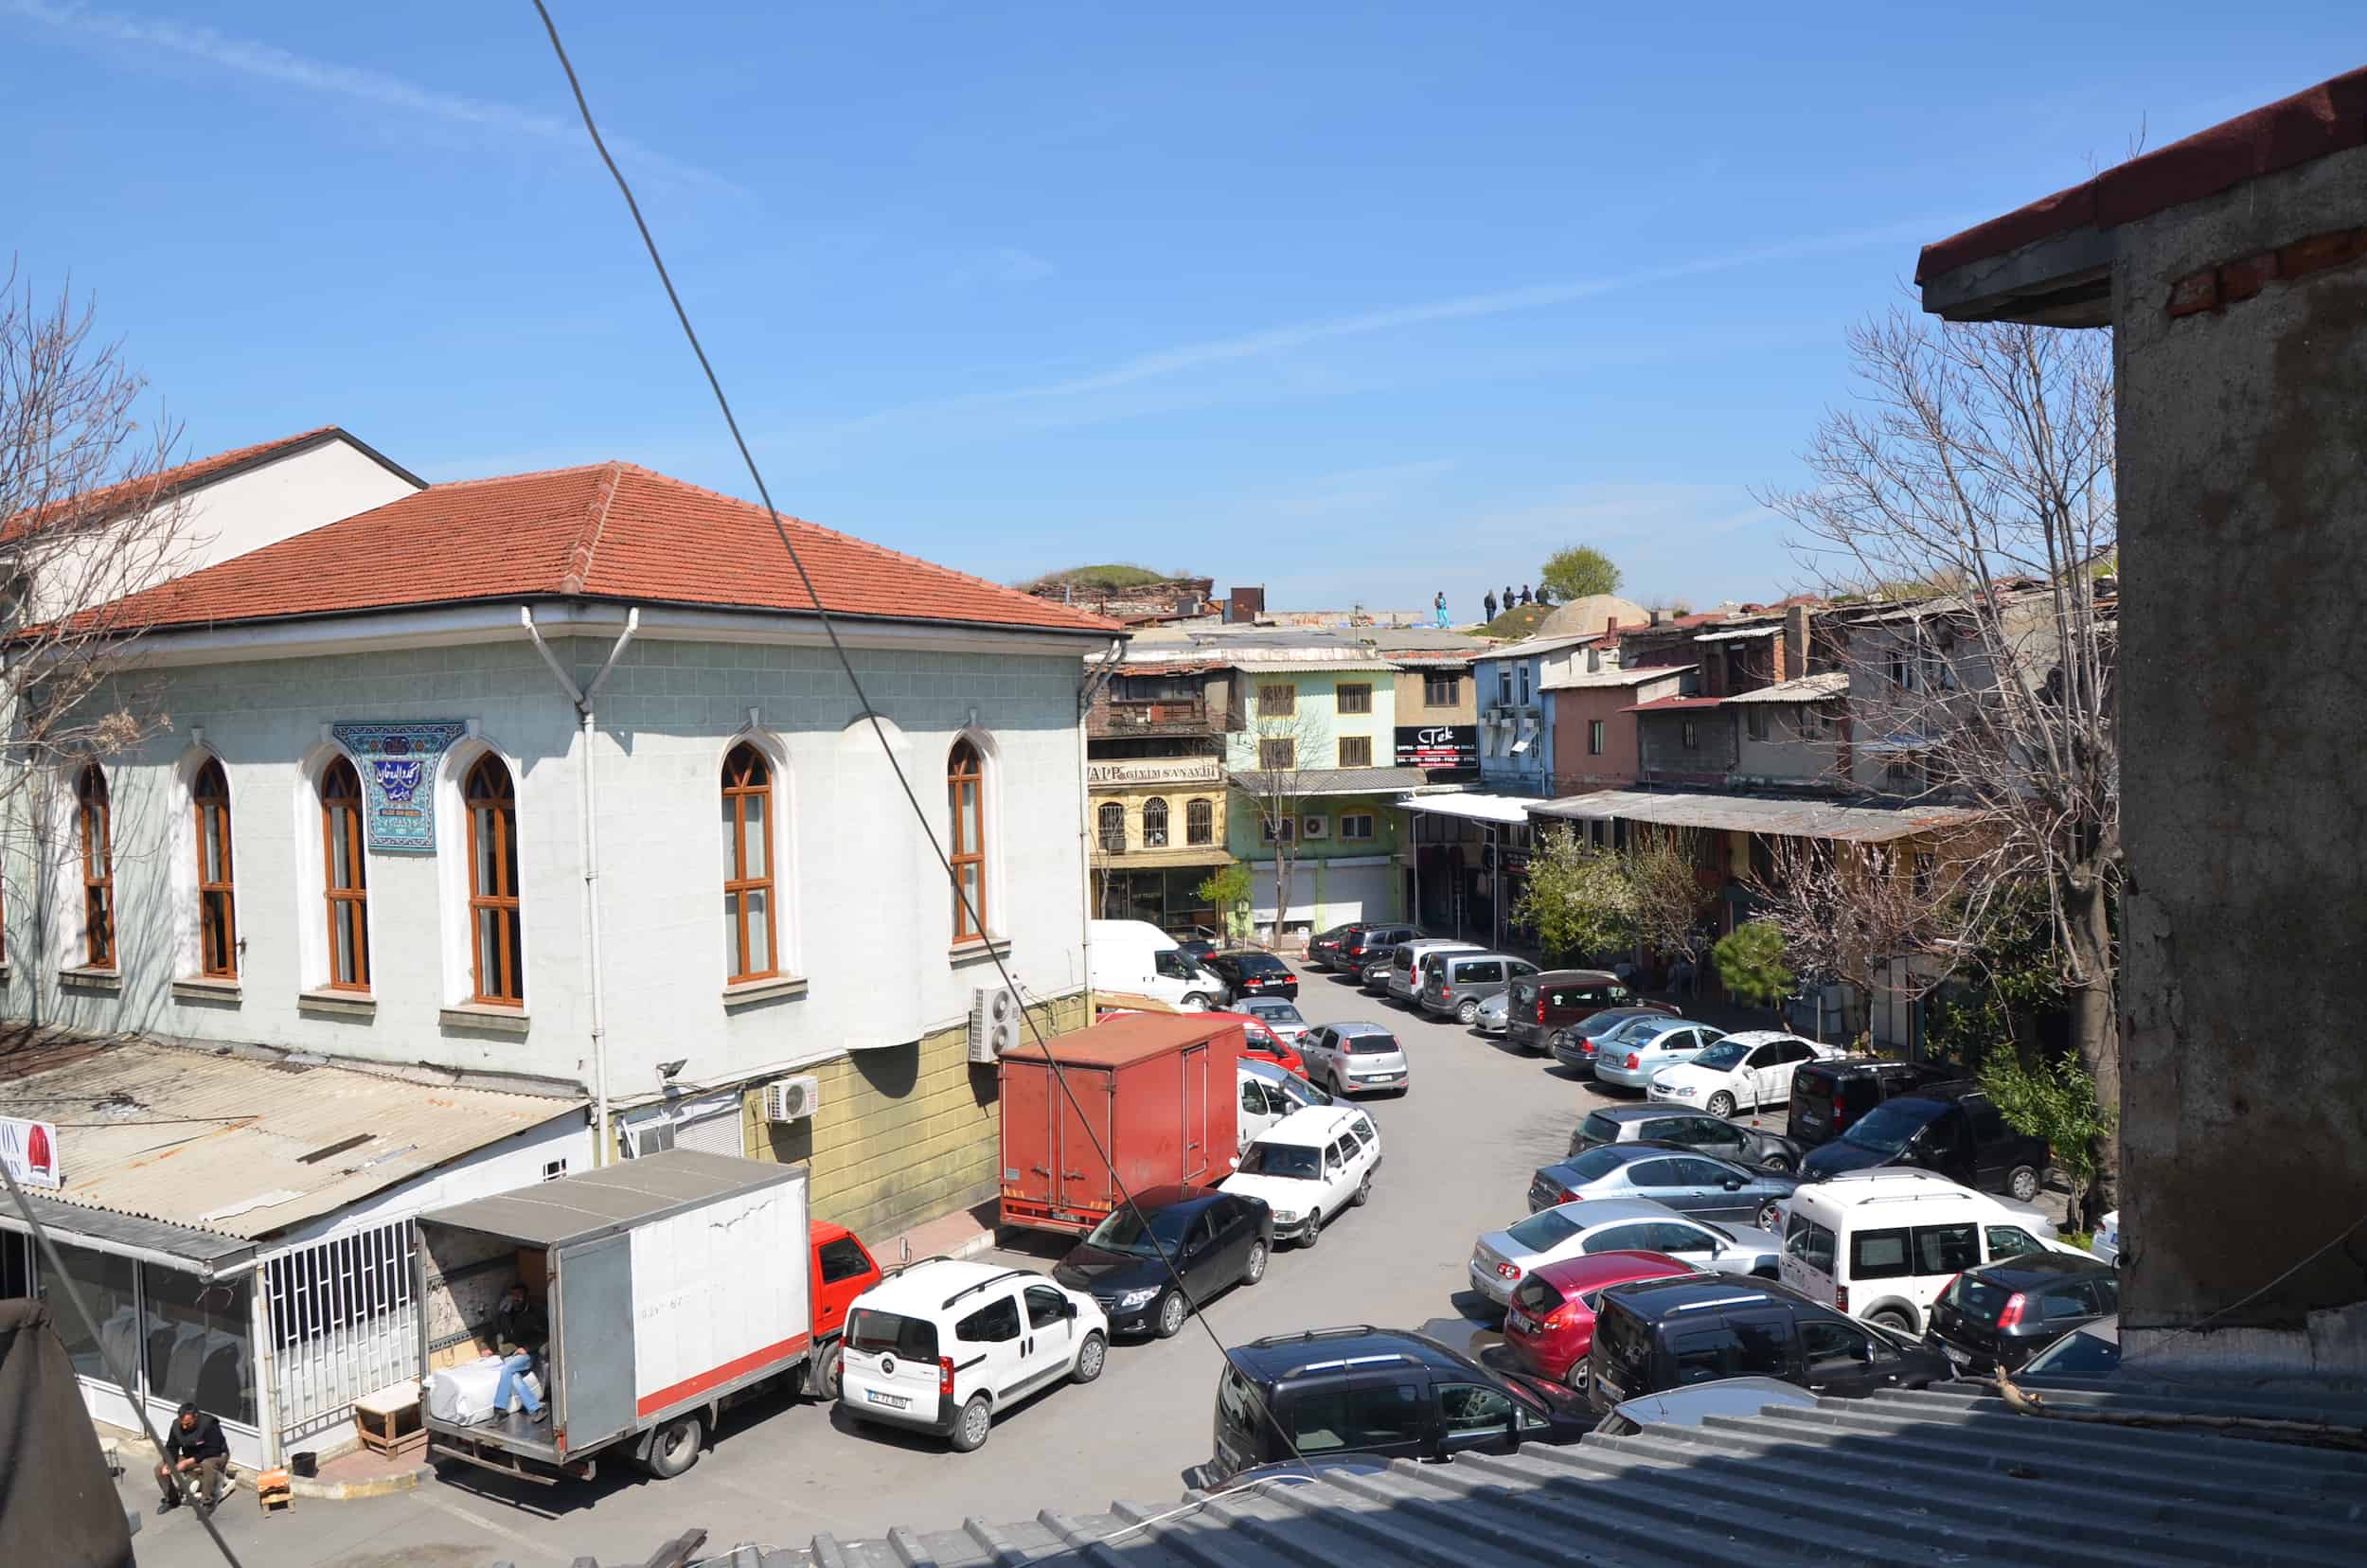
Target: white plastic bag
464	1395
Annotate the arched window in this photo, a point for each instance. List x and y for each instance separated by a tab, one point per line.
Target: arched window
1154	824
1112	820
216	906
966	792
1200	823
496	945
95	823
345	878
748	949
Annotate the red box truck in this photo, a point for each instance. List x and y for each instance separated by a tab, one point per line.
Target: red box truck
1158	1091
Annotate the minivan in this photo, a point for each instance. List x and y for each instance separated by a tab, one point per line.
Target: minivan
1457	983
1951	1129
1135	957
1405	960
1882	1245
1364	943
1659	1334
1828	1095
1555	999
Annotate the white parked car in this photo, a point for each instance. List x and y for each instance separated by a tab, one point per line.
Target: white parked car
2106	1244
946	1343
1502	1260
1309	1167
1269	1093
1494	1013
1742	1072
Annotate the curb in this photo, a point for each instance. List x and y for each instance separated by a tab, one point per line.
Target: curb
355	1492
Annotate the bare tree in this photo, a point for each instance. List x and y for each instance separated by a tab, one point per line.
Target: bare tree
1665	880
1276	784
1853	912
1976	466
86	520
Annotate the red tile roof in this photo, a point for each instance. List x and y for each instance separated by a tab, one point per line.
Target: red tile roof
2328	118
608	531
97	506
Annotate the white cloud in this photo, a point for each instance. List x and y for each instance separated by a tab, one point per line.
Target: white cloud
269	62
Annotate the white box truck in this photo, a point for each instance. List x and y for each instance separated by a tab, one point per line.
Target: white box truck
672	1283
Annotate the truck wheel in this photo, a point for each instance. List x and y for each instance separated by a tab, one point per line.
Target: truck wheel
2022	1186
972	1426
1257	1270
674	1447
1092	1357
1722	1104
1891	1317
1171	1319
824	1382
1467	1014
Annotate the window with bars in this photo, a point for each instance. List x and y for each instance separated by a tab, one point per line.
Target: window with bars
217	905
1754	720
751	921
1154	824
1277	702
1355	826
1277	755
1200	822
95	826
345	878
966	795
1356	698
1595	733
1111	823
1443	690
1356	751
496	941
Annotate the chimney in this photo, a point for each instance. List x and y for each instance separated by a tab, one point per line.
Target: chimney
1659	615
1795	660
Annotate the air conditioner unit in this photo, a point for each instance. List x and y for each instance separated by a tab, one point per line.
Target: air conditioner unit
791	1100
994	1024
648	1137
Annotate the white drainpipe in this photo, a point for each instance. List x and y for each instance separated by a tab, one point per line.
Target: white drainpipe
588	859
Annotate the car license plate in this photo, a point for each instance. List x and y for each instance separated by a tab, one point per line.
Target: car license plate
1382	1078
1958	1357
1612	1390
894	1402
1518	1324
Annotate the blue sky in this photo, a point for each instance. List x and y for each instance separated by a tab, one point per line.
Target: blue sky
1359	302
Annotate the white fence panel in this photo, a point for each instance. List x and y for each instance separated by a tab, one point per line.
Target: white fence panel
343	1321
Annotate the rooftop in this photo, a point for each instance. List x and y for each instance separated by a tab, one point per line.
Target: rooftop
1807	688
1782	816
1591	680
577	1208
1337	781
1123	1040
132	495
606	532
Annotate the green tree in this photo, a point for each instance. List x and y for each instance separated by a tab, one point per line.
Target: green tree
2057	1100
1227	893
1750	963
1578	900
1578	571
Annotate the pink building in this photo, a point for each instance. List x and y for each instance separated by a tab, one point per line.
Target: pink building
1595	735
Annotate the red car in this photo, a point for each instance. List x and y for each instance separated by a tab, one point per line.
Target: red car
1264	1043
1550	1327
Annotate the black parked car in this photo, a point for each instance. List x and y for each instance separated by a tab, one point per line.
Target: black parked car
2003	1313
1695	1129
1686	1179
1666	1333
1378	1391
1828	1095
1362	944
1216	1239
1949	1128
1247	972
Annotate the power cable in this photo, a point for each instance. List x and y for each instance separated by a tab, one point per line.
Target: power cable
90	1326
838	648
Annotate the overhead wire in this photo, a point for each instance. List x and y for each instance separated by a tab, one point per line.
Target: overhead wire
870	714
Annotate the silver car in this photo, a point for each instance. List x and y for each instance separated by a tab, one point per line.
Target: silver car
1457	983
1494	1013
1355	1058
1631	1058
1502	1260
1282	1017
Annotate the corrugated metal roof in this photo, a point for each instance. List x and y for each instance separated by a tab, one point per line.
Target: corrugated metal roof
1785	815
1337	781
1590	680
1947	1476
574	1208
1740	632
1473	806
1807	688
241	1146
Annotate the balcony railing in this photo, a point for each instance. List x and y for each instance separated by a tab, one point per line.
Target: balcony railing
1157	716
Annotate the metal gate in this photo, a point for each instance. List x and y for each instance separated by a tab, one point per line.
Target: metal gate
343	1321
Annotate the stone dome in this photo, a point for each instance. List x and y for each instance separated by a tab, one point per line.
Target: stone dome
1583	617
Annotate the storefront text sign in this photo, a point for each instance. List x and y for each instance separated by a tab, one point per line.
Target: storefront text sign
1156	770
1438	746
398	763
30	1149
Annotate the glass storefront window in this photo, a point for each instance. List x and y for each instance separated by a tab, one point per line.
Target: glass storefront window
197	1343
106	1283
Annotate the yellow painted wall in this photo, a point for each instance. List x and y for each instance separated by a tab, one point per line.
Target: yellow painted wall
1178	852
904	1134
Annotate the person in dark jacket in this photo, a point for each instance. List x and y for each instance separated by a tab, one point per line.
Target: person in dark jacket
520	1334
1524	595
1490	602
196	1454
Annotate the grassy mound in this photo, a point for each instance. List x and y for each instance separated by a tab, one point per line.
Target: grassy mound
1113	575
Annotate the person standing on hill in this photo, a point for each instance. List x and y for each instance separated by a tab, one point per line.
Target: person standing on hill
1490	602
1439	604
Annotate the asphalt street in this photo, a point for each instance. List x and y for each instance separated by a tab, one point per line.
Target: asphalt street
1457	1152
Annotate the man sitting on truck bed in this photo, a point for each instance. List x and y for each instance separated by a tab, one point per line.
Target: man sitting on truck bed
519	1336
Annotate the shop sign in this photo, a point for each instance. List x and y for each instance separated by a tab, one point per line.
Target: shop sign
397	763
1156	770
1438	747
30	1149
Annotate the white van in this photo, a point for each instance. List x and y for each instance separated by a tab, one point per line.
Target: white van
1884	1245
1269	1093
1139	959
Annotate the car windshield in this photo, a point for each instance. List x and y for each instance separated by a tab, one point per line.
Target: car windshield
1599	1128
1256	963
1277	1012
2081	1354
1542	1232
1293	1160
1596	1163
1644	1031
1886	1128
1367	1044
1723	1055
1128	1231
891	1333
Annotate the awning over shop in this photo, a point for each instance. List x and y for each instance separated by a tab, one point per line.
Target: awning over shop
1783	816
1512	810
203	1251
1334	781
